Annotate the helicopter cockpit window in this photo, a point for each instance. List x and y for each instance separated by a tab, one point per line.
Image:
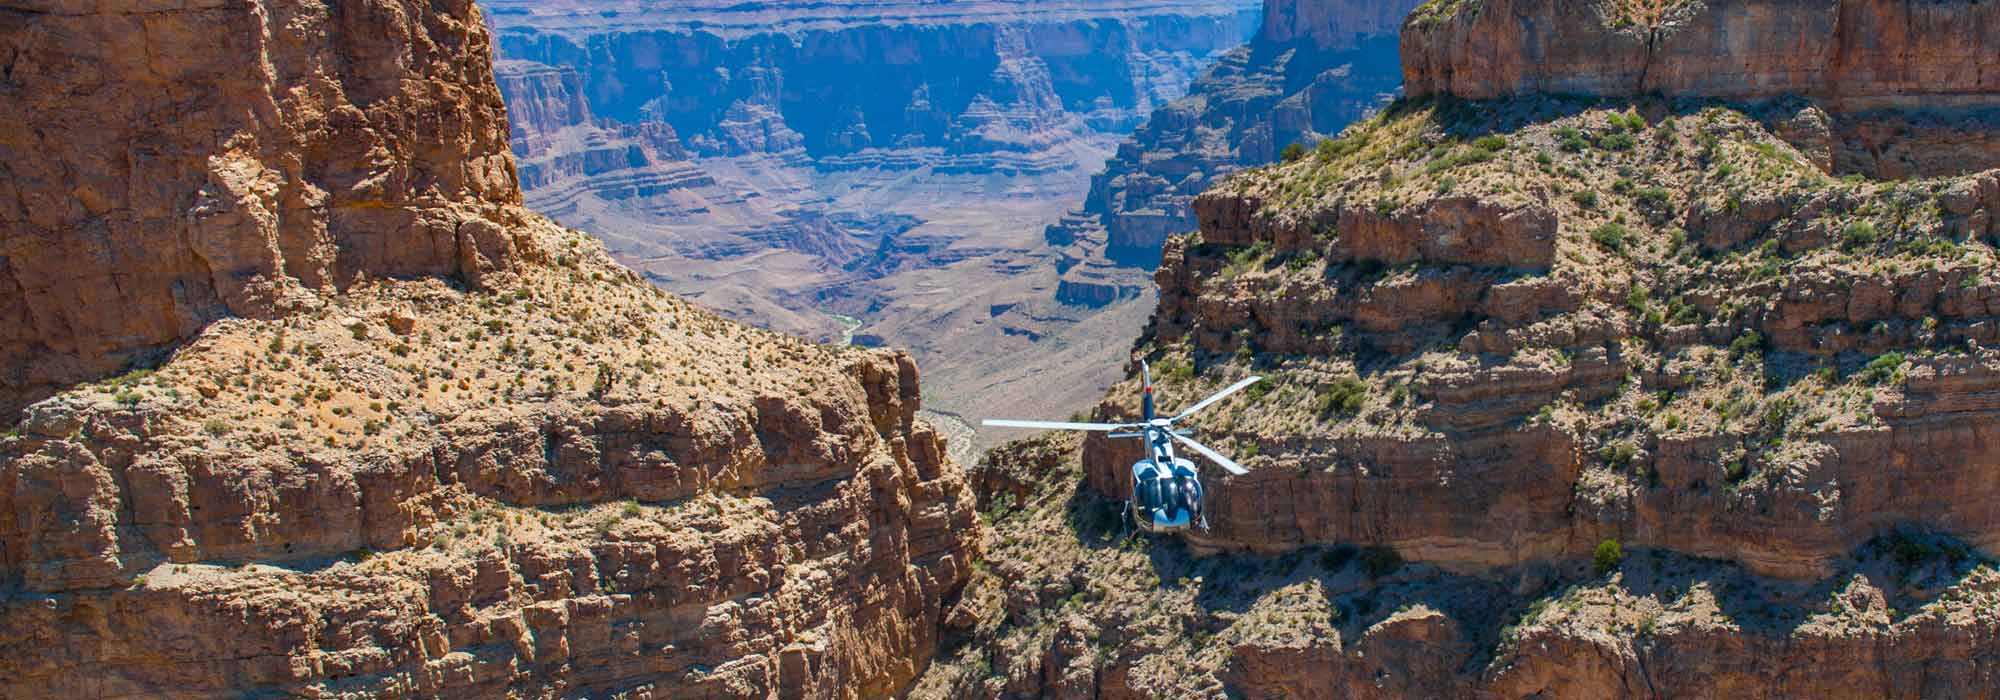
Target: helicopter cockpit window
1147	490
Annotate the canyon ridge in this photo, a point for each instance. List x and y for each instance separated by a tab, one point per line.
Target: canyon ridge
1610	349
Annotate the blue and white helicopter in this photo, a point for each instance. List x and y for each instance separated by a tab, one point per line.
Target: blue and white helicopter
1166	489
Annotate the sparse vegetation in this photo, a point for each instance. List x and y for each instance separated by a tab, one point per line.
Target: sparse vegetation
1343	397
1606	558
1292	153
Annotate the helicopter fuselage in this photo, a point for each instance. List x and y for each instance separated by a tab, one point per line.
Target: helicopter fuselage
1167	495
1166	489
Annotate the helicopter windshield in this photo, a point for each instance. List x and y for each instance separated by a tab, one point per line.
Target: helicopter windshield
1147	490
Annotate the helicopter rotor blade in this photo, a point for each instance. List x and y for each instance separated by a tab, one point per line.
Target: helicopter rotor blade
1212	455
1052	425
1210	401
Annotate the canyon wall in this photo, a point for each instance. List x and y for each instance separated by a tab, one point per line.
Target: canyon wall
716	132
1574	390
1850	54
411	440
992	85
1313	68
158	180
878	171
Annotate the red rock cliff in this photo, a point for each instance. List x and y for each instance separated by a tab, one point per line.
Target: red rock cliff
1854	54
196	160
358	476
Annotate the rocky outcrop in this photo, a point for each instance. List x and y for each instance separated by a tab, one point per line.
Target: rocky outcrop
1067	605
1851	54
232	158
1313	68
403	525
1509	307
1572	397
417	441
1907	89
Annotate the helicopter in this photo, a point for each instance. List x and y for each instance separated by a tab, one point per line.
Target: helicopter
1167	494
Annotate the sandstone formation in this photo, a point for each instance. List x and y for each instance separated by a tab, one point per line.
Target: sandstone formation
1918	80
1314	67
423	492
1066	607
1724	329
168	168
1853	54
1612	395
416	441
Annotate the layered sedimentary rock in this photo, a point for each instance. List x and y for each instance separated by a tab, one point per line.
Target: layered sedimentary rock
1920	80
742	117
1681	359
1070	605
377	480
695	510
171	167
1854	54
862	82
891	163
1565	396
1313	68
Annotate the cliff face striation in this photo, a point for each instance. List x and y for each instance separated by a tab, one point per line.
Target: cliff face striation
157	180
1566	396
1313	68
718	136
1854	54
430	444
1904	89
834	169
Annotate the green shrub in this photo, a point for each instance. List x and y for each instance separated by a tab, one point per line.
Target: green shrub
1655	198
1616	141
1883	368
1490	142
1607	557
1571	140
1859	233
1248	254
1585	198
1750	341
1330	149
1610	236
1344	397
1618	455
1292	153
